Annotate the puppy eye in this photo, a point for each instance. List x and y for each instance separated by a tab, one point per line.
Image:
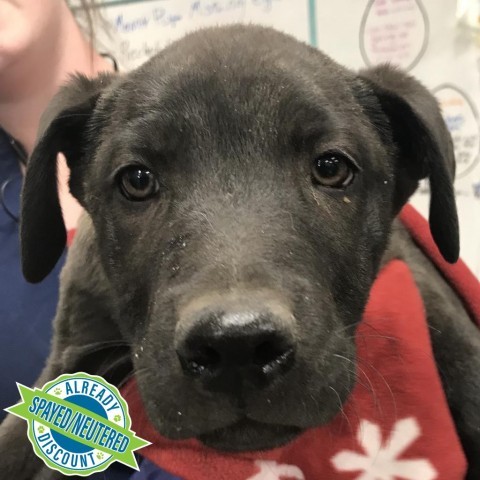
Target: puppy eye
333	170
137	183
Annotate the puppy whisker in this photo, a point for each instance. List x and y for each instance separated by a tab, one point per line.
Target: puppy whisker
342	411
371	389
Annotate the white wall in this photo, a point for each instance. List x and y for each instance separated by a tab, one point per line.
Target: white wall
422	36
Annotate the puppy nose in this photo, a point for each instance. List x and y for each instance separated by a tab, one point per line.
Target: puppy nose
229	351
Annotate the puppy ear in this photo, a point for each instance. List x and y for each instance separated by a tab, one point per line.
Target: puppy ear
62	129
423	146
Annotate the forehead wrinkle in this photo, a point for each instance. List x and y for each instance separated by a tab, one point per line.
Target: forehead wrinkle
158	130
231	109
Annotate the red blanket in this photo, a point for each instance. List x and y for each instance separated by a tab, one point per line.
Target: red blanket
396	423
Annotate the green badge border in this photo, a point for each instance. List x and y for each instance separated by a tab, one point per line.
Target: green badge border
67	471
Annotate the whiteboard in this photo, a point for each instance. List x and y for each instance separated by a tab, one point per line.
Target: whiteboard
421	36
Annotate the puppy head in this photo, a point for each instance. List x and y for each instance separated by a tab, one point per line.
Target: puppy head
242	187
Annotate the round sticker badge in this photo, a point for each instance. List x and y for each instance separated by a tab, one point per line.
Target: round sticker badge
78	424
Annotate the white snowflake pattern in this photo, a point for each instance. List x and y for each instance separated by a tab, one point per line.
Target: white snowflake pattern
276	471
380	461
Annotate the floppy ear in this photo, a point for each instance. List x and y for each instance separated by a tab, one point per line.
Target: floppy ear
62	129
423	147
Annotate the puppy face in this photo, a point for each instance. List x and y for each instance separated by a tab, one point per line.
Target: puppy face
242	187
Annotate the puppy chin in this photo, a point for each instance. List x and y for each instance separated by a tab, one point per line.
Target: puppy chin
247	434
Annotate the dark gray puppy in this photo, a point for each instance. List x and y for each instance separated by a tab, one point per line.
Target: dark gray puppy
240	191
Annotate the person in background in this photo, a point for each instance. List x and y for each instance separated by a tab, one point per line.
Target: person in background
41	44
